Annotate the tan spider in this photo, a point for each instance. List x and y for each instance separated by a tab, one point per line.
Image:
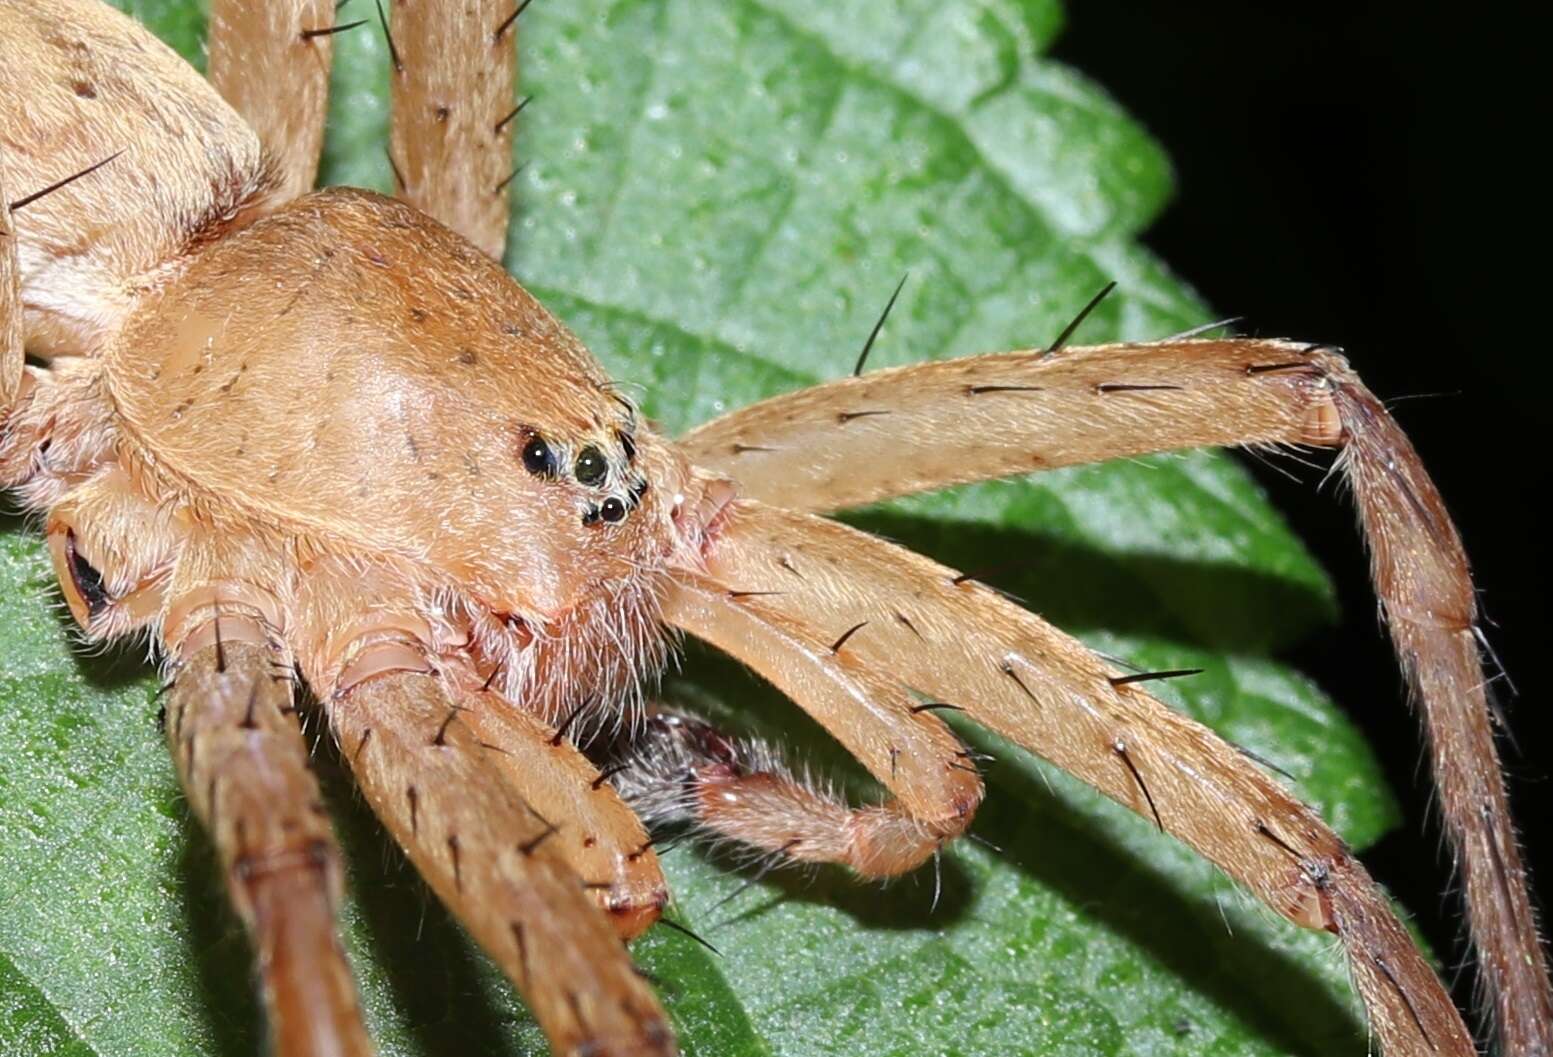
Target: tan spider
323	433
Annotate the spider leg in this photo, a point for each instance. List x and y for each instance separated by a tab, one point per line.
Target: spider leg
911	429
271	62
373	625
118	158
452	786
454	112
684	771
906	748
241	758
603	841
482	849
1008	670
898	431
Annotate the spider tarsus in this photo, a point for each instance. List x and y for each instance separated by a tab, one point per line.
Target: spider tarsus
1078	320
1120	748
873	335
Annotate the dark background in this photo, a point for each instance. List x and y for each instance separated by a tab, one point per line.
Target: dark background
1365	174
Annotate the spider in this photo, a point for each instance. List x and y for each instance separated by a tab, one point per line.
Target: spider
322	438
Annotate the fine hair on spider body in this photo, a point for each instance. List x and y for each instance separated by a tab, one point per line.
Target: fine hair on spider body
321	436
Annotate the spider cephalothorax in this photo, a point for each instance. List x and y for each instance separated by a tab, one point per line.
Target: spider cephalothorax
321	433
527	539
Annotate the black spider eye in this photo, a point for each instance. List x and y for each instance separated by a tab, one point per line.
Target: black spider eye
591	467
612	510
538	459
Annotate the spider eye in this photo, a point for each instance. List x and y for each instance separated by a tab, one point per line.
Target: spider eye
538	459
591	467
612	510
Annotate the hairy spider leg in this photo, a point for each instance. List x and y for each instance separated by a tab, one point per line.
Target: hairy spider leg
963	643
271	62
455	112
909	751
602	840
481	848
364	621
232	729
449	782
909	429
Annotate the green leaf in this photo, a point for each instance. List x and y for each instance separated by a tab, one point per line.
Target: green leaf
721	195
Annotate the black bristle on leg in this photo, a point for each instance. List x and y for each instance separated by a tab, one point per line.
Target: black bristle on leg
1143	677
873	335
1078	320
507	22
393	51
326	31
